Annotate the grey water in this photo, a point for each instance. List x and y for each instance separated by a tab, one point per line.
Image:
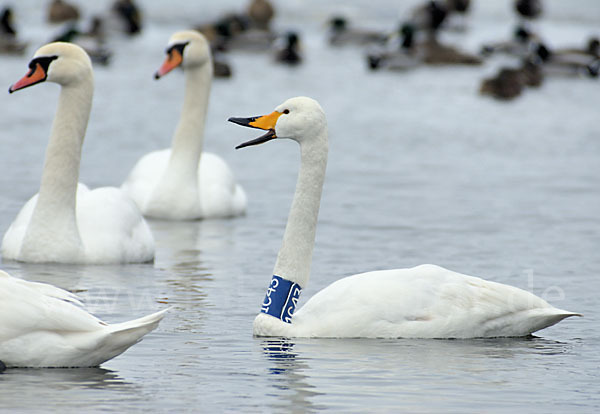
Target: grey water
421	170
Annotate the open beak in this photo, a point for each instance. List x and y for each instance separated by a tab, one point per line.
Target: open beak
265	122
174	59
35	75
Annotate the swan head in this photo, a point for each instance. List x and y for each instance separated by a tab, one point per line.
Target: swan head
59	62
301	119
186	49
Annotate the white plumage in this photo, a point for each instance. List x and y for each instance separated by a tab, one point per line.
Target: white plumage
44	326
426	301
66	222
183	182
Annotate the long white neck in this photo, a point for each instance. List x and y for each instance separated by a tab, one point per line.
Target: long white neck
54	215
295	256
188	139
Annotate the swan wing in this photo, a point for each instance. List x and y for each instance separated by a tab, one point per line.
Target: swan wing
423	302
44	326
14	236
220	195
29	307
145	175
112	227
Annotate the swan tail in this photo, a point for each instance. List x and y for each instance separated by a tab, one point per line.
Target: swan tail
123	335
138	327
550	317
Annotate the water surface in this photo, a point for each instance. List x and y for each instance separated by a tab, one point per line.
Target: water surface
421	170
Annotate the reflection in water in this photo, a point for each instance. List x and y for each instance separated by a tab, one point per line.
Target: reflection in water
281	352
287	369
185	253
178	257
66	378
310	372
88	385
64	276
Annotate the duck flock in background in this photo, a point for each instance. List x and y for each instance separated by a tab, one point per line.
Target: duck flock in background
68	223
416	42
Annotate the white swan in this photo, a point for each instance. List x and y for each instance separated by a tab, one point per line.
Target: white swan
66	222
426	301
44	326
182	182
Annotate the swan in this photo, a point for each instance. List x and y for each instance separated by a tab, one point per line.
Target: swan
426	301
66	222
183	182
44	326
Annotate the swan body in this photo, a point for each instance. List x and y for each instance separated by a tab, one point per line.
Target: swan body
66	222
426	301
44	326
183	182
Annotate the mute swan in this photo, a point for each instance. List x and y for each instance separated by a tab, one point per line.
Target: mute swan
426	301
183	182
66	222
44	326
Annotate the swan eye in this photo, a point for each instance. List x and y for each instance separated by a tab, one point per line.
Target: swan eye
179	47
286	111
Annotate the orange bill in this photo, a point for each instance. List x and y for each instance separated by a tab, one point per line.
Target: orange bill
35	75
174	59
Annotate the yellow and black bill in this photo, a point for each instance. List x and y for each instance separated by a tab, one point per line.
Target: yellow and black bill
264	122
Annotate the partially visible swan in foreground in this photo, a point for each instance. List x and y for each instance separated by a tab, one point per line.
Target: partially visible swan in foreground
44	326
183	182
426	301
66	222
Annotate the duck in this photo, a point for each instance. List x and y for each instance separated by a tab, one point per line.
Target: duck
506	85
9	43
129	15
341	34
405	56
290	53
436	53
591	50
510	82
66	222
183	182
457	15
521	45
43	326
92	41
567	63
59	11
570	61
528	9
425	301
430	18
260	13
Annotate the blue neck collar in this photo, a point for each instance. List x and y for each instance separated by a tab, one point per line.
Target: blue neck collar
281	299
